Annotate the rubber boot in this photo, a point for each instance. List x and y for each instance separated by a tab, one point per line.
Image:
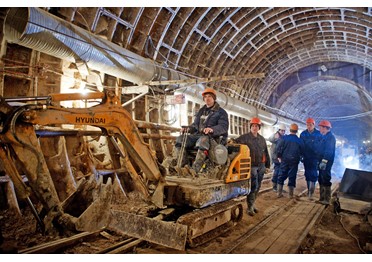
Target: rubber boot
250	203
311	190
321	194
199	161
327	196
275	187
291	189
280	190
255	209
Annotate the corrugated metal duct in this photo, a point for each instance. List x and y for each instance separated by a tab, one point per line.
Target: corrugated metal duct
37	29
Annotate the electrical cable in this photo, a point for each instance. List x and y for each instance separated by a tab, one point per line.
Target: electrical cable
342	118
347	231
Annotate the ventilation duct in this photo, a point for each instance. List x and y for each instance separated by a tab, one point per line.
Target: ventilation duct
39	30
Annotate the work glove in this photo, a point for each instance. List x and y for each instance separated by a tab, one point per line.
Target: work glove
323	164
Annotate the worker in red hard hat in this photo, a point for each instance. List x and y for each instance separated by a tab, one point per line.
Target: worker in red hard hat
290	149
260	160
326	159
211	122
311	137
274	139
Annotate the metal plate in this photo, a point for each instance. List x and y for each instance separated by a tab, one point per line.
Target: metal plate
168	234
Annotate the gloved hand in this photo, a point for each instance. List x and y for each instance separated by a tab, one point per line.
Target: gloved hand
301	159
323	164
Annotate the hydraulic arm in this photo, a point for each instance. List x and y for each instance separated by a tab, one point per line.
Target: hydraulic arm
20	145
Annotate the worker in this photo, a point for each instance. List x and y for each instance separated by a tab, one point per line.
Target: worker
260	159
326	159
289	150
211	121
311	137
274	139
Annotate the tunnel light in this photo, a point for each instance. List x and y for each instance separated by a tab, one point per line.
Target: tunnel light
323	68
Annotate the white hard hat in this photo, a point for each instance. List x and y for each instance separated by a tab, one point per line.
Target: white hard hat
281	126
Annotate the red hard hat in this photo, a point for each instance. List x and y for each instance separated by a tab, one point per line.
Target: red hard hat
325	123
293	127
256	120
310	120
210	91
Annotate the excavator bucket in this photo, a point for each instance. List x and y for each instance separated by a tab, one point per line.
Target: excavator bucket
88	208
357	184
355	191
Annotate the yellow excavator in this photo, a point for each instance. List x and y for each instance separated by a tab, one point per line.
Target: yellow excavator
172	208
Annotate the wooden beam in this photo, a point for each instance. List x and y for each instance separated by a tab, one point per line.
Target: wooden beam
50	247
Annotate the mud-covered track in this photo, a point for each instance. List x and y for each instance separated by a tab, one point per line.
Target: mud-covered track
283	231
256	228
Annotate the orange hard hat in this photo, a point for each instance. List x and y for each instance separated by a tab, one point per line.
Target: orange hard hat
256	120
325	123
293	127
209	91
310	120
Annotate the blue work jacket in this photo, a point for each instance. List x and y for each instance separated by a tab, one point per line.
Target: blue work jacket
290	149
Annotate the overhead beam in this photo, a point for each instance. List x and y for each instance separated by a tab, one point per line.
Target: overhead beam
205	80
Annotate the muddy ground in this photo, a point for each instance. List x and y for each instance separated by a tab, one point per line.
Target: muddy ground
339	232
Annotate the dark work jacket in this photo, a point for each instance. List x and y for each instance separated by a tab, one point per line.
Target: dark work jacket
290	149
312	142
328	147
217	119
257	147
274	143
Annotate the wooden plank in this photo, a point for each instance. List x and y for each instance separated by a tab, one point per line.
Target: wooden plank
269	233
126	247
296	230
246	237
11	197
298	218
115	246
50	247
319	210
353	205
292	216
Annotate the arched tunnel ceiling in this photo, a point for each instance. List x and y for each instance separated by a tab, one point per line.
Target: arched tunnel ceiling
312	99
235	41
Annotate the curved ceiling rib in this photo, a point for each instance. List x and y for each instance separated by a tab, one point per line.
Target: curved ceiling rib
284	43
